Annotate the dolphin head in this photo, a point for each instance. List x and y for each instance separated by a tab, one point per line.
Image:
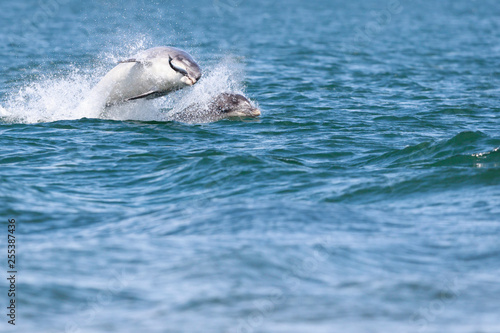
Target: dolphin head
234	105
183	63
177	60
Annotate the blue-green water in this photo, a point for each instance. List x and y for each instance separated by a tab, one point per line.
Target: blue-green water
364	199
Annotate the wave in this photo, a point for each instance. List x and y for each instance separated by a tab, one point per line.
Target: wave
464	149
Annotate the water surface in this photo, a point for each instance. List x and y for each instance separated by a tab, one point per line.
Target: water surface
364	199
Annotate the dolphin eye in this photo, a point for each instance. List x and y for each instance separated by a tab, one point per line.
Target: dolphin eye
175	68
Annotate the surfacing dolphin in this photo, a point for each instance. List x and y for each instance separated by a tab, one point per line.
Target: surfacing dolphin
225	105
151	73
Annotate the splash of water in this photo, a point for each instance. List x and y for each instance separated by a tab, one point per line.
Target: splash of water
56	97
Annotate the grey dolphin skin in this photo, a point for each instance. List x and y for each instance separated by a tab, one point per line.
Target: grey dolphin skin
225	105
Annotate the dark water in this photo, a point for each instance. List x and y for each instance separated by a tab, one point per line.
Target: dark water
365	199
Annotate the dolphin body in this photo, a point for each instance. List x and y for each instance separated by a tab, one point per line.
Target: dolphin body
150	74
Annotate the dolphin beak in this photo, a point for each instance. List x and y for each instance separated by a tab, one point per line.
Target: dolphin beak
255	112
194	75
189	80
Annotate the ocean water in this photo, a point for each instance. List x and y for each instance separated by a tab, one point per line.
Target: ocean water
364	199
